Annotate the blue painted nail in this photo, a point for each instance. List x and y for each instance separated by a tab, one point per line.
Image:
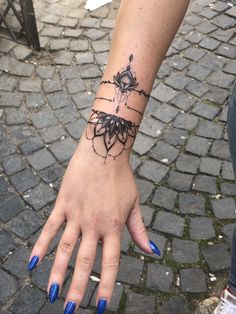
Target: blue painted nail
154	248
33	263
102	303
53	293
70	307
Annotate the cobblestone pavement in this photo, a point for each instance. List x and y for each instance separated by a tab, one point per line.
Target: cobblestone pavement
181	157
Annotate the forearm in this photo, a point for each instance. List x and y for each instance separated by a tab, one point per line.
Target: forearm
144	31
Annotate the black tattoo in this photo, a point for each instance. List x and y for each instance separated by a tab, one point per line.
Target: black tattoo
117	134
125	82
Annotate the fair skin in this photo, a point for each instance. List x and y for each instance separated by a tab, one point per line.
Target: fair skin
97	199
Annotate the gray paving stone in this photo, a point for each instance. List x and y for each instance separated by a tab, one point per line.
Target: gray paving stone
216	256
219	35
15	116
197	145
52	31
194	54
183	101
151	127
220	79
15	67
204	183
72	33
164	70
206	27
69	72
147	213
178	63
220	6
90	71
75	86
10	99
169	223
224	22
52	308
176	137
201	228
227	170
187	163
209	43
228	188
196	88
208	13
68	22
6	45
6	242
100	45
180	181
6	148
40	196
59	100
212	61
194	37
11	206
83	100
135	161
52	133
143	144
220	149
43	118
51	86
224	208
24	180
145	189
30	85
210	166
67	114
76	128
13	164
136	303
209	129
25	224
40	277
16	262
230	67
185	251
190	203
226	50
10	286
63	150
94	34
175	305
52	173
177	81
159	277
164	198
165	113
130	270
8	84
195	70
21	52
79	45
217	95
26	297
164	153
228	230
84	58
41	159
35	101
163	93
153	171
193	280
63	58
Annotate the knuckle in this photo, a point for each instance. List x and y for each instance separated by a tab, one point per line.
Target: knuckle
66	247
85	263
111	262
117	225
75	294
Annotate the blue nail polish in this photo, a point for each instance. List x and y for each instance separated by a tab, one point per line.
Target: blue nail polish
33	263
70	307
53	293
154	248
102	303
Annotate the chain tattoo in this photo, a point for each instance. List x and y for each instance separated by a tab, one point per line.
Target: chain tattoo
125	82
117	134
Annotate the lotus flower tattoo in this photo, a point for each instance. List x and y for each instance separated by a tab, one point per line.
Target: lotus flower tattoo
125	82
117	134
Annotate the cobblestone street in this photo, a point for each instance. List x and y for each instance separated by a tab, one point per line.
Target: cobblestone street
180	157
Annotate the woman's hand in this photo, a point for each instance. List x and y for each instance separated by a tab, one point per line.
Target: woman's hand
96	200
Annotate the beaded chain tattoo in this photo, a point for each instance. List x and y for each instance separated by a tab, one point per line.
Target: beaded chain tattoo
117	134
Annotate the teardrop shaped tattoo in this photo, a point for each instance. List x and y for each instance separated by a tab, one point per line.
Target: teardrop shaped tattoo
125	82
110	134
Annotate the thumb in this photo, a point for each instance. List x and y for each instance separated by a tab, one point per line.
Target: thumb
138	231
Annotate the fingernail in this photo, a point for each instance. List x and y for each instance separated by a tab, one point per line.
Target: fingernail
70	307
33	263
154	248
53	293
102	303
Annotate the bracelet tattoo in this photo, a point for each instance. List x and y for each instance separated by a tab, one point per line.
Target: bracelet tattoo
125	82
117	134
